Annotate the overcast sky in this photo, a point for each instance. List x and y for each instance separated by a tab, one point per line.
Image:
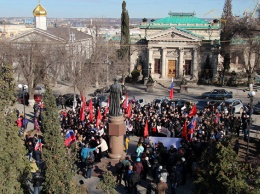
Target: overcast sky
112	8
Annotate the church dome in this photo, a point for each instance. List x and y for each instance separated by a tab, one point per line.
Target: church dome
39	11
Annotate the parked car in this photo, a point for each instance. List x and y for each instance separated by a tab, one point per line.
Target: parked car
159	101
219	94
39	90
69	98
256	108
201	104
236	103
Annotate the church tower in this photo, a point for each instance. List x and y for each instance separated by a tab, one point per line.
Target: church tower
40	17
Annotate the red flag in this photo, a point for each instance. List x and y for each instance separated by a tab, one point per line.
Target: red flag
129	110
171	89
82	113
171	93
184	130
125	105
83	100
146	129
99	118
193	111
82	109
90	107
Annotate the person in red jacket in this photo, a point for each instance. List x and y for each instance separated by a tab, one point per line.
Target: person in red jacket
20	122
138	166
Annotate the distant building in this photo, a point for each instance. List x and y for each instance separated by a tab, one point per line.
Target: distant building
72	40
177	46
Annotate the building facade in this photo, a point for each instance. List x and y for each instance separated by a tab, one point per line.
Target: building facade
177	46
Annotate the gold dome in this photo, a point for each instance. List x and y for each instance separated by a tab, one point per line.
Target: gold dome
39	11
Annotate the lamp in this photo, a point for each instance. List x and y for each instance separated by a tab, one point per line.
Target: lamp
23	88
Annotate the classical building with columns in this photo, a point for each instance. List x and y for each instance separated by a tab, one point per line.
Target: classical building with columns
177	46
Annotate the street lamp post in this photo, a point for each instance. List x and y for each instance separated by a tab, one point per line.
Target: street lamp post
23	88
72	39
251	95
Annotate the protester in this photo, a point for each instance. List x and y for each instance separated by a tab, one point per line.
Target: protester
162	186
37	183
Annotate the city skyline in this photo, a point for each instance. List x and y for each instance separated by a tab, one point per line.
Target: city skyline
113	8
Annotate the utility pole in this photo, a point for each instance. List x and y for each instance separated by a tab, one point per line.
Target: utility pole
72	39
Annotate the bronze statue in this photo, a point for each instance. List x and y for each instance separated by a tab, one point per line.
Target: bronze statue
115	98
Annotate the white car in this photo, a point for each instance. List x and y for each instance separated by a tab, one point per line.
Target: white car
39	90
236	103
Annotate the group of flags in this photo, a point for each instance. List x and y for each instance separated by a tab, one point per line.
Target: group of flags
185	134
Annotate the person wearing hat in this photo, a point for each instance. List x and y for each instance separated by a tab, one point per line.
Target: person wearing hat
162	186
138	166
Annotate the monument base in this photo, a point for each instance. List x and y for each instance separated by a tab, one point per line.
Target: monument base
116	132
116	147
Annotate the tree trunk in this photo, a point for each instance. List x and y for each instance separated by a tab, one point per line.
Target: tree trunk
249	79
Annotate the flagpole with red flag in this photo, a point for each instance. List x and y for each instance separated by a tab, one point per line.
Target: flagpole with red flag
129	110
193	111
82	109
172	90
99	118
146	129
90	107
184	130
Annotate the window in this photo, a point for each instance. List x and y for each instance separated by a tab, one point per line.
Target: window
187	67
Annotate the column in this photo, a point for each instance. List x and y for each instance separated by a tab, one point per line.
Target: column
215	54
181	60
150	59
195	64
163	59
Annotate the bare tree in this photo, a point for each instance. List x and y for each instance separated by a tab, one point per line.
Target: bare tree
37	59
247	47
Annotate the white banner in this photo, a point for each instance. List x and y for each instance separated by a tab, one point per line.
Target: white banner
167	141
164	131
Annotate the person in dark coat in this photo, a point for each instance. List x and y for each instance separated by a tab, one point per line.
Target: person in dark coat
37	155
146	167
134	180
119	171
37	183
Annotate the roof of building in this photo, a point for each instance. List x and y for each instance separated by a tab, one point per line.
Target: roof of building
64	33
181	18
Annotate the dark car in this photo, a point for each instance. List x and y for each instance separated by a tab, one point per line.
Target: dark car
202	104
99	98
219	94
69	98
256	108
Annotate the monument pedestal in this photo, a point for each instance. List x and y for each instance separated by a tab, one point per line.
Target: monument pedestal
116	132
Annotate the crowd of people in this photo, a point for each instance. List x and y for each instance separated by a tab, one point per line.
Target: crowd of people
167	167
